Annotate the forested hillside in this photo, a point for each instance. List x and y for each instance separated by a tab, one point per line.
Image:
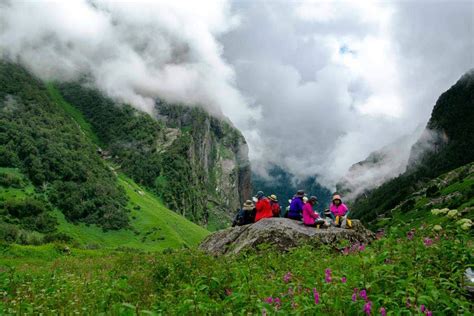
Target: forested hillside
447	143
55	185
195	163
38	137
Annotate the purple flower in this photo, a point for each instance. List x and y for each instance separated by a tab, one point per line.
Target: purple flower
269	300
368	308
361	247
354	297
328	278
383	312
428	242
316	296
422	308
287	277
429	313
277	301
343	279
363	295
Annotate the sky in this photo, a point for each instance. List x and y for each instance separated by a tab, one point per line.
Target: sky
314	86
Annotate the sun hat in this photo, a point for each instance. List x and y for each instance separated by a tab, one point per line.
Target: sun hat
248	206
273	197
336	197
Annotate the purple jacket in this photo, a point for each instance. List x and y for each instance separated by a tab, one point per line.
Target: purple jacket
296	207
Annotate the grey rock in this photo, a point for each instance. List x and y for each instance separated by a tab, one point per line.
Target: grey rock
283	234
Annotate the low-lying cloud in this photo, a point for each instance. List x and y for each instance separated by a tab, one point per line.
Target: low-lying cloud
315	86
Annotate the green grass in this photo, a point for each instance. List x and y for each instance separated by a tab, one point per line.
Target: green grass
74	113
153	226
10	192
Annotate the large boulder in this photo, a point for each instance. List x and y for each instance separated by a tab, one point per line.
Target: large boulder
283	234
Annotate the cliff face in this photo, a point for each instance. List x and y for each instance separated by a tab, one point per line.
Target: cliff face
219	158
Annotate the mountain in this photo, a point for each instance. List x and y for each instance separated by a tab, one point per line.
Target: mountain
446	144
379	167
284	185
75	173
197	164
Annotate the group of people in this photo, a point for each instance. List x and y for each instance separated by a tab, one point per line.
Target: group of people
301	208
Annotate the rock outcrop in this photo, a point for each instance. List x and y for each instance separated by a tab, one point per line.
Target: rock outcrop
283	234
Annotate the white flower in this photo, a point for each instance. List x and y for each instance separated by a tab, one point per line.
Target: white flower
452	213
437	228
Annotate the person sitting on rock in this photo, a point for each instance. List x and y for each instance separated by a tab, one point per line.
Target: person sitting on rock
340	212
275	205
246	215
263	207
310	217
296	206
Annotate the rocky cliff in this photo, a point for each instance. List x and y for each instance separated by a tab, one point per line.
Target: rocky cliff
219	156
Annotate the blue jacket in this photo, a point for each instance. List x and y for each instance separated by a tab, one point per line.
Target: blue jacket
296	207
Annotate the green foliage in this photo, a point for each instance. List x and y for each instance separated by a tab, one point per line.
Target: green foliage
393	270
37	136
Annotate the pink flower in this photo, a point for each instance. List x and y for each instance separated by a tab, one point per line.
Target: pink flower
368	308
277	301
343	279
363	294
411	234
429	313
328	278
428	242
408	303
316	296
269	300
287	277
354	297
383	312
228	292
361	247
346	251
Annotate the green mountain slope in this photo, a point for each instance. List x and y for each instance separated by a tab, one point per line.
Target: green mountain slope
153	226
447	143
196	163
55	186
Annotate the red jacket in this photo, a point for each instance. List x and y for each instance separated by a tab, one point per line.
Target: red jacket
275	209
264	209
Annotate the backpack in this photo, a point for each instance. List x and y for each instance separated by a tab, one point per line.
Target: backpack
239	219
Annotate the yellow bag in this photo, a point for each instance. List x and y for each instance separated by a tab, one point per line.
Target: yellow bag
349	223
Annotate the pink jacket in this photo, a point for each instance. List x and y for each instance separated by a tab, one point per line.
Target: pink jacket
309	215
340	210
